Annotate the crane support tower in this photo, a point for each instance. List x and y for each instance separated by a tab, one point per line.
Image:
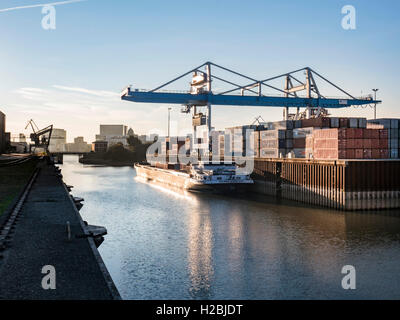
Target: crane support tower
40	137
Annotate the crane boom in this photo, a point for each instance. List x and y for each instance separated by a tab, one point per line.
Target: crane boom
237	100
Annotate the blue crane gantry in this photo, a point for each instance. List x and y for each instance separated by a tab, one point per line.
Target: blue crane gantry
251	94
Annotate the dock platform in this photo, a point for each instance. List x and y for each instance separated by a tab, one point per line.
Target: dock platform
39	238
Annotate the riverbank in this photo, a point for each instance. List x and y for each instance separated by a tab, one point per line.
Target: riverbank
13	178
40	239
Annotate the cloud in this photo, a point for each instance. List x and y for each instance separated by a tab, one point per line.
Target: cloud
99	93
41	5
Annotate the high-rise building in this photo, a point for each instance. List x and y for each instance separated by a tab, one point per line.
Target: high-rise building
2	132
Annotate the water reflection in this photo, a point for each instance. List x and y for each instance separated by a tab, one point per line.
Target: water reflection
200	246
166	243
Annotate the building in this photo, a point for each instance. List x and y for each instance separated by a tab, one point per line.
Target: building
111	130
2	132
58	140
99	146
144	138
18	143
113	134
78	146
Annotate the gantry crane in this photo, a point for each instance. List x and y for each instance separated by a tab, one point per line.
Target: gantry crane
41	138
250	94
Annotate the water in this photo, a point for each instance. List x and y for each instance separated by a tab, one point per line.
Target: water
174	245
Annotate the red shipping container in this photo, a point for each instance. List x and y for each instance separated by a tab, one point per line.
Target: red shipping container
299	143
383	143
342	133
367	143
375	143
351	144
367	153
342	154
359	143
351	133
374	133
358	133
376	154
350	154
331	143
359	154
342	143
384	153
367	134
343	122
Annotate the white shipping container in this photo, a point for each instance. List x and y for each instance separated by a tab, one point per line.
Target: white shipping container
272	134
272	153
302	132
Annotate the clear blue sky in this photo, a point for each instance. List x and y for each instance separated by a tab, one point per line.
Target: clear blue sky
71	76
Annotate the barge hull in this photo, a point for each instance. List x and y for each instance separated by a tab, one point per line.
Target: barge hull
181	180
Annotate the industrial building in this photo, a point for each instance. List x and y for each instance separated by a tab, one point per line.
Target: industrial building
111	130
78	146
112	134
58	140
99	146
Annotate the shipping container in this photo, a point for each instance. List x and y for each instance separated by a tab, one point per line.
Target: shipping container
334	122
272	153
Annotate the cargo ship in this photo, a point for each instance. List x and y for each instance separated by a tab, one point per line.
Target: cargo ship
219	178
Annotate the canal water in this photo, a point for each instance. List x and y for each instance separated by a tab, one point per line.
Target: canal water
164	244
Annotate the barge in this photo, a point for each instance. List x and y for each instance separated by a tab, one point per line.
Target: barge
202	177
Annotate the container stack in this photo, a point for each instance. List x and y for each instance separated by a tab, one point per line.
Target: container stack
392	126
350	143
303	142
321	138
275	143
240	139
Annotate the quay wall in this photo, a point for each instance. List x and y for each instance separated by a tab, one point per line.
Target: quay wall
338	184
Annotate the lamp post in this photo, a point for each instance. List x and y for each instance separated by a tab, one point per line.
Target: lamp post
169	111
375	90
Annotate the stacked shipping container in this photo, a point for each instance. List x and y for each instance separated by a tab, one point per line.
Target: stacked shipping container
350	143
393	131
351	140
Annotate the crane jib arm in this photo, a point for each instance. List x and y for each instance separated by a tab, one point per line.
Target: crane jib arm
236	100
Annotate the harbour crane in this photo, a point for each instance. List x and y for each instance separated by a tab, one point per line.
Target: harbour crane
201	95
40	137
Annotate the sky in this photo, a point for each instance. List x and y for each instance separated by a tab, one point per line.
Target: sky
72	76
